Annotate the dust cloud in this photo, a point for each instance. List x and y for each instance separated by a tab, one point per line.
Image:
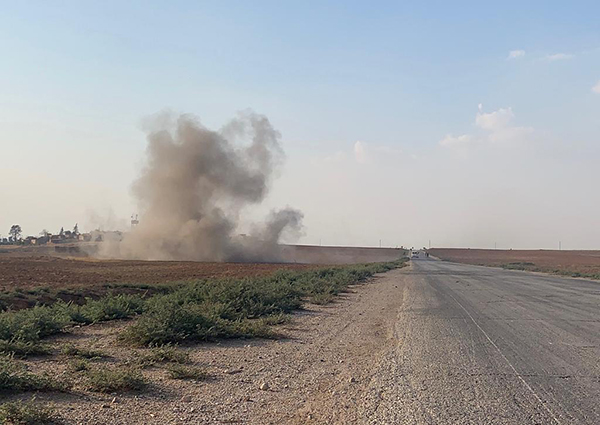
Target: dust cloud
194	188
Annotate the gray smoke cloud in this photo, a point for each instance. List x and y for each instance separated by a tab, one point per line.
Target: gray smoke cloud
194	187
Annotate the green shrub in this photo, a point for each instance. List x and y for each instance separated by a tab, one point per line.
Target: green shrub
28	413
31	324
165	322
111	307
79	365
163	354
518	266
109	380
229	308
23	348
14	377
201	310
178	371
72	350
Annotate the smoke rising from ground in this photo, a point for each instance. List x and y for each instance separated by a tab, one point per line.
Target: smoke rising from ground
194	187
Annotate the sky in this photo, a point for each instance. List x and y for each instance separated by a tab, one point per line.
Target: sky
460	124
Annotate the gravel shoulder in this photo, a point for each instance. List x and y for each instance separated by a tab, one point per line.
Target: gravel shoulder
319	372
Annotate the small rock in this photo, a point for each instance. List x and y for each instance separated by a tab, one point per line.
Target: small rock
352	380
264	386
186	398
114	400
105	406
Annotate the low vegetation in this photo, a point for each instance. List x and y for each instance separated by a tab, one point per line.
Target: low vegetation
114	379
79	365
163	354
27	413
518	266
532	267
21	298
15	377
23	348
72	350
32	324
174	314
231	308
200	310
178	371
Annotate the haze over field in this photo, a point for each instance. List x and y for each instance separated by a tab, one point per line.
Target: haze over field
466	125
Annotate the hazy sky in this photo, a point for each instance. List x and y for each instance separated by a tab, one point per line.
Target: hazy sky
463	123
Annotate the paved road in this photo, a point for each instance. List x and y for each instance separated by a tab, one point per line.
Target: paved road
484	345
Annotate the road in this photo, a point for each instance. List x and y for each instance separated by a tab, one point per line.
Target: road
489	346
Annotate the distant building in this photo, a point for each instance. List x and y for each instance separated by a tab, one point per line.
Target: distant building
84	237
57	239
30	240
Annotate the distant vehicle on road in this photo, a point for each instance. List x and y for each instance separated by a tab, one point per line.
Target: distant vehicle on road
414	254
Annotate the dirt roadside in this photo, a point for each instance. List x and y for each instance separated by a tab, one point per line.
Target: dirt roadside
318	374
566	263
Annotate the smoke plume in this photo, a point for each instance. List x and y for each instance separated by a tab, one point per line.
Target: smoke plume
194	187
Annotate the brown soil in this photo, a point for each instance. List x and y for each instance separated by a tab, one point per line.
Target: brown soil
25	281
573	263
30	275
316	373
28	272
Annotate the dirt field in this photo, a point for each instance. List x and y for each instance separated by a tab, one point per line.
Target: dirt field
40	274
317	372
570	263
31	272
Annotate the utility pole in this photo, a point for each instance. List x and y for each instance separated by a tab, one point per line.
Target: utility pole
379	243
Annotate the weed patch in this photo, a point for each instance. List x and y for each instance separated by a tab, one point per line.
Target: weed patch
233	308
200	310
178	371
23	348
111	308
79	365
109	380
14	377
27	413
519	266
72	350
163	354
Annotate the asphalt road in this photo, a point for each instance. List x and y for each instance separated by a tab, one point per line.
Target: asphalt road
485	346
